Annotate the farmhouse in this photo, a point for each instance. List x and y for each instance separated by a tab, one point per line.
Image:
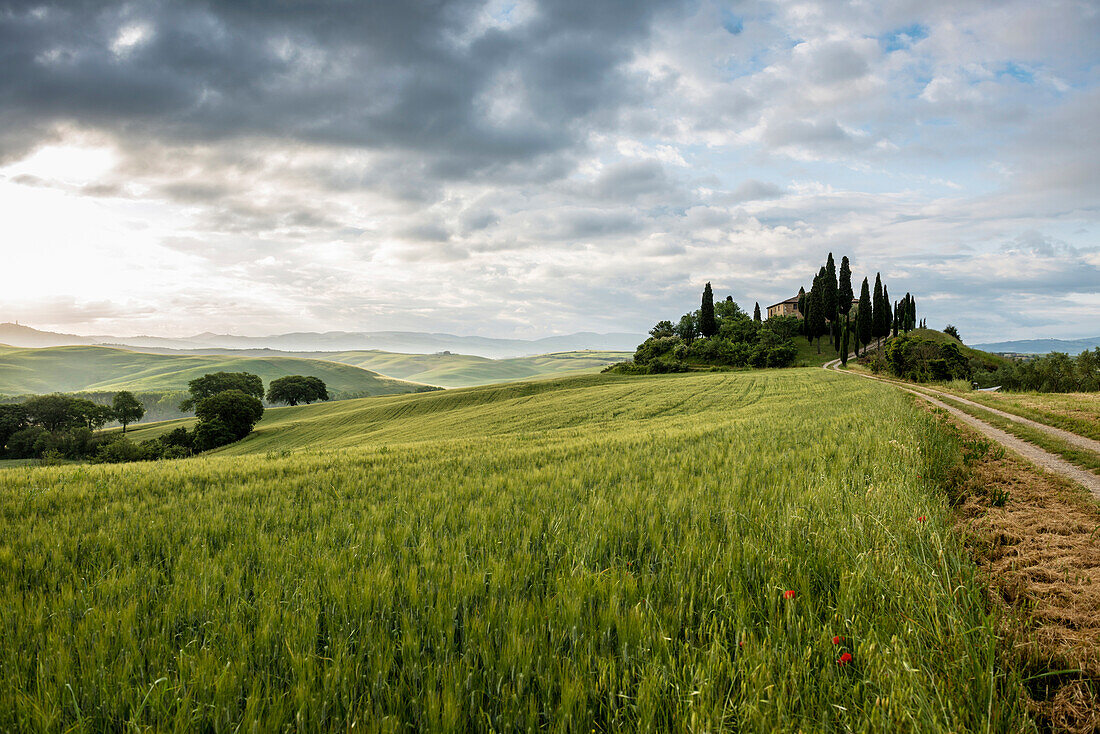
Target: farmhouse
788	307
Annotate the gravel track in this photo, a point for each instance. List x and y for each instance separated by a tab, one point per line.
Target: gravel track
1029	451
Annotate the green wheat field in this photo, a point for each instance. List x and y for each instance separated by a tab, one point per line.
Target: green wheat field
594	553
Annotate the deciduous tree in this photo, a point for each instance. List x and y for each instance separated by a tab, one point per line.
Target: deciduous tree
128	409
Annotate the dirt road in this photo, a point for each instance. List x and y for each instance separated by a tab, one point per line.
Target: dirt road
1029	451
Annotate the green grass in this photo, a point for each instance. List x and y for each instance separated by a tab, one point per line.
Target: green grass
992	361
807	352
595	553
83	368
1074	454
1074	412
464	370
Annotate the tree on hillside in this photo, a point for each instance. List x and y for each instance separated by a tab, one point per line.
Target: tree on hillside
844	343
234	409
128	409
727	310
59	412
864	315
887	312
294	389
708	327
816	319
878	329
660	329
756	312
844	288
687	329
952	331
844	304
13	418
213	383
830	291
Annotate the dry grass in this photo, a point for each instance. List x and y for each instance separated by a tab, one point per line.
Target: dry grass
1042	555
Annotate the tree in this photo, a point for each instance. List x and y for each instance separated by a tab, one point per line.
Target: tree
660	329
802	302
887	313
830	290
844	288
726	310
878	327
238	411
864	315
127	408
844	305
13	418
708	327
952	331
686	329
215	382
844	345
817	310
59	412
756	312
294	389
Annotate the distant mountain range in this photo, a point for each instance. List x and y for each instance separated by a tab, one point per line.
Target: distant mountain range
1042	346
413	342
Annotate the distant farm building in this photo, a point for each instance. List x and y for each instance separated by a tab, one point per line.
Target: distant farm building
788	307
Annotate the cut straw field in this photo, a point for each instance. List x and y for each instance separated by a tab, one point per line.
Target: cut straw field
759	551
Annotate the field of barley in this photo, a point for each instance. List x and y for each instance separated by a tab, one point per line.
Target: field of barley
756	551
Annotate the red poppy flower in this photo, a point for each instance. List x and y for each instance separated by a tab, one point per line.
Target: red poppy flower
837	639
922	518
845	659
788	594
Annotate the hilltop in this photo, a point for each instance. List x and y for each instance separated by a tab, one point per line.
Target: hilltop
1042	346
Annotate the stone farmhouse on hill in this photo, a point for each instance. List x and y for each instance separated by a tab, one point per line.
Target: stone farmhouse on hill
789	307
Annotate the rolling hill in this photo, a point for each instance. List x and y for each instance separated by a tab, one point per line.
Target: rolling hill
1042	346
600	552
106	369
337	341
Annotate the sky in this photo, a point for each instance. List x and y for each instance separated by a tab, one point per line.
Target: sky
535	167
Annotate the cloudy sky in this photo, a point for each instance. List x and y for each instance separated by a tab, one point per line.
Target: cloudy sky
532	167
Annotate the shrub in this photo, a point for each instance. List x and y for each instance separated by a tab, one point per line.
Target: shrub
121	450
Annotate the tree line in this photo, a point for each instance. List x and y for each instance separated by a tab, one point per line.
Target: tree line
717	334
227	405
829	307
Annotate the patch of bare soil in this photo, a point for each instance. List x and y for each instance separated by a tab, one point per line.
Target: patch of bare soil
1037	537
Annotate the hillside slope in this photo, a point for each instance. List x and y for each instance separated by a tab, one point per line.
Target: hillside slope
102	369
665	553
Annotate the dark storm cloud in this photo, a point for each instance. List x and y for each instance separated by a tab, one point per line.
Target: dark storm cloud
388	74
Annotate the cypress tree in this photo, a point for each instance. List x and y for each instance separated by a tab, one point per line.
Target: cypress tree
802	302
844	289
807	317
877	329
817	310
865	315
756	312
844	303
887	312
707	325
830	289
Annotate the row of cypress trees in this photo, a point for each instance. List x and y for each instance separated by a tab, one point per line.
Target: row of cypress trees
827	310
